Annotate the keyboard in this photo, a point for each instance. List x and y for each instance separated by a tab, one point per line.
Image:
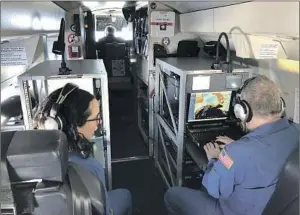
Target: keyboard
203	136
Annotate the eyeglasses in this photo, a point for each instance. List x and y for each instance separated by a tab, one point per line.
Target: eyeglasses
96	119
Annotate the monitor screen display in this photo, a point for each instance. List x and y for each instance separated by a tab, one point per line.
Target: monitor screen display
209	106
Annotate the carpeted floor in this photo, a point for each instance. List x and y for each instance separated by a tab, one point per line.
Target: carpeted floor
140	177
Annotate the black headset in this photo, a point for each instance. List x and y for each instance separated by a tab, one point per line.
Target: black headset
242	109
56	121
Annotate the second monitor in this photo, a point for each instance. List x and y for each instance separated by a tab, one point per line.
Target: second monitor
206	106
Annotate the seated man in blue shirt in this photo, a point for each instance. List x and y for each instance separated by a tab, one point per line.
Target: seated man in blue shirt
241	178
79	114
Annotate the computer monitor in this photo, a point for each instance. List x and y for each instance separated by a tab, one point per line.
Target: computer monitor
206	106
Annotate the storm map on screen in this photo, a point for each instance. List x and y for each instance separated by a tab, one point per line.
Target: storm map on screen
209	106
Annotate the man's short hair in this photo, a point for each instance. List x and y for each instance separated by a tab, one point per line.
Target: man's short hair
263	96
110	30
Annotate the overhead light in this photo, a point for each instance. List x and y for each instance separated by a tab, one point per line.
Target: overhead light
22	21
36	24
49	23
113	19
90	4
3	118
114	4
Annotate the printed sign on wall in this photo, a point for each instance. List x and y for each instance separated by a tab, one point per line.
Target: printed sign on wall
13	56
162	23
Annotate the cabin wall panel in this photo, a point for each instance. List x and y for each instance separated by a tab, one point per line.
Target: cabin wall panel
29	18
201	21
274	18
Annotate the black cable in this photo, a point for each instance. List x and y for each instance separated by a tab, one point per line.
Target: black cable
228	56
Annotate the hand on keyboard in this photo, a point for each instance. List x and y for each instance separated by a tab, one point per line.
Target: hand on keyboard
212	150
224	139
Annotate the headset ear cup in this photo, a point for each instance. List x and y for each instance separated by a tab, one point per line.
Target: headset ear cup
248	111
243	111
50	124
283	106
60	121
239	112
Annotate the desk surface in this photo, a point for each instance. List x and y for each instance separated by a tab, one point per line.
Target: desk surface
194	63
79	67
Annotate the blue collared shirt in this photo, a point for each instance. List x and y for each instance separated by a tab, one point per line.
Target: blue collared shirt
244	177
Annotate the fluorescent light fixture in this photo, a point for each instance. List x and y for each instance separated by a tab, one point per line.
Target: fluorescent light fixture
50	23
3	118
90	3
22	21
36	24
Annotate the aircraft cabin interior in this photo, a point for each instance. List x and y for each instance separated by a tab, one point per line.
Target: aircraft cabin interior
166	77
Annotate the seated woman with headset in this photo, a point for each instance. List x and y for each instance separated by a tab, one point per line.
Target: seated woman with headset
76	112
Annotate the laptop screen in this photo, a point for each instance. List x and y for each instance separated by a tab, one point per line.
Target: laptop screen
209	106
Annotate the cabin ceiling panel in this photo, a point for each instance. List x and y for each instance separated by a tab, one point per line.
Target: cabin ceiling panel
68	5
191	6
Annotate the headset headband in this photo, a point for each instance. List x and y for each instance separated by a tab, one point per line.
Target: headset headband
65	92
246	82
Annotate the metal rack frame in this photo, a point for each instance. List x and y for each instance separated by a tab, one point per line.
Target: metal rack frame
147	136
81	69
185	69
146	77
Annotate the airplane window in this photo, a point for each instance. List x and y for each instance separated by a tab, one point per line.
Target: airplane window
123	30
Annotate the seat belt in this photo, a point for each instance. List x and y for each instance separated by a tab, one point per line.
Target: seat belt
8	206
80	196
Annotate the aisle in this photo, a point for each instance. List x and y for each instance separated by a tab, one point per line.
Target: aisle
146	186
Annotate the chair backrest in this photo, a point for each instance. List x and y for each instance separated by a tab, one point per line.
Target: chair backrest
42	179
116	59
285	199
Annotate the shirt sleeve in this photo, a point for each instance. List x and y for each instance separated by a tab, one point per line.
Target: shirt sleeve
219	180
211	164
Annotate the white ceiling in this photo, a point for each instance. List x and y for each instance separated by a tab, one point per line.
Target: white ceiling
180	6
190	6
90	5
68	5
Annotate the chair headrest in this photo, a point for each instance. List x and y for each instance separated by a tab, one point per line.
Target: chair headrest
116	50
36	154
285	197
